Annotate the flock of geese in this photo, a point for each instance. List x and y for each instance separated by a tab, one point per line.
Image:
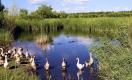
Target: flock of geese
18	54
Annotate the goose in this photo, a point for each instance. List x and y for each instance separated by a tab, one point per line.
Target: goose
18	60
2	52
47	65
31	59
33	64
1	59
80	66
6	64
16	55
13	51
89	62
27	55
64	64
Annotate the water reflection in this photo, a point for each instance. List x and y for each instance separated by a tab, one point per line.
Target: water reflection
64	72
90	68
47	74
79	74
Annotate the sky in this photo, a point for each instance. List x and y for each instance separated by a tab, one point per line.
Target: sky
73	6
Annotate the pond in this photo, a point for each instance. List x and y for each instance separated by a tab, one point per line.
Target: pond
58	45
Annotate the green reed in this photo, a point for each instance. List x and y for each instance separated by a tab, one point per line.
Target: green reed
93	24
114	56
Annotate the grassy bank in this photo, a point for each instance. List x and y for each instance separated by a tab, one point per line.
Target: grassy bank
115	57
18	73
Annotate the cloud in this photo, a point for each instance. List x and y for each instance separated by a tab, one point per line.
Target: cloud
126	8
28	8
56	10
117	8
67	2
43	1
81	8
66	9
82	0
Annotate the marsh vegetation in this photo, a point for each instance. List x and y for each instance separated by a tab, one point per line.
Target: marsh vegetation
111	31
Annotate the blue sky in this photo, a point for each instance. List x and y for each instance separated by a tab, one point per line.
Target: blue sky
73	6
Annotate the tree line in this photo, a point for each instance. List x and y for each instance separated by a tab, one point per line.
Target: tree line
45	11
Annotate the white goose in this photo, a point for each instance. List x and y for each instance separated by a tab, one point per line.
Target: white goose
64	64
33	64
27	55
89	62
80	66
6	64
47	65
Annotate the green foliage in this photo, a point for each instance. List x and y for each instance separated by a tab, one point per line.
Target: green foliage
11	18
114	56
62	14
23	13
1	14
44	11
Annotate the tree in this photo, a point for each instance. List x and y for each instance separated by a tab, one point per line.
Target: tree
23	13
1	13
63	14
44	11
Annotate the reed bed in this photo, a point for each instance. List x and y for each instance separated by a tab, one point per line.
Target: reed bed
114	56
92	24
46	24
5	35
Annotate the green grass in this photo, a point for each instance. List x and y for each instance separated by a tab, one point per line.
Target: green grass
20	73
115	57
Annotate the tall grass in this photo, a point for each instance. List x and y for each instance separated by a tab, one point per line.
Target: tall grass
115	57
46	24
5	35
92	24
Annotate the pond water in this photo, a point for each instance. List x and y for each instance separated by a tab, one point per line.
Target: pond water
58	45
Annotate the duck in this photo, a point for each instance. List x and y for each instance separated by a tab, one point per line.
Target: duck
80	66
64	64
89	62
6	64
47	65
27	55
